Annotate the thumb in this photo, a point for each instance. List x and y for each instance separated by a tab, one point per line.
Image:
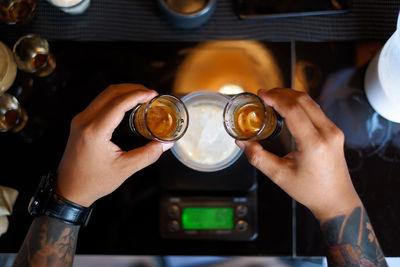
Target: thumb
267	162
144	156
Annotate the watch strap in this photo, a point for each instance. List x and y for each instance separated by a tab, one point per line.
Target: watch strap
47	202
67	211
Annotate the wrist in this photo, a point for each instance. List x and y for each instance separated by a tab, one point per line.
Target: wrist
47	202
72	198
342	206
64	190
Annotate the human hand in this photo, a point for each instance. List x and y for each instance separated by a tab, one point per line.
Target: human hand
92	166
315	173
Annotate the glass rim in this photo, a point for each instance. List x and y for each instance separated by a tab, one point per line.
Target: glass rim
68	7
230	103
31	36
208	168
206	8
148	107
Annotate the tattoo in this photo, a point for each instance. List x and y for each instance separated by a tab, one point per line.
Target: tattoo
351	241
49	242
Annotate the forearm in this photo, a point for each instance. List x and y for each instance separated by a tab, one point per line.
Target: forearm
49	242
351	240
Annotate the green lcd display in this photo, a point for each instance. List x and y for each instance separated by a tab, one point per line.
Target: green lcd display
207	218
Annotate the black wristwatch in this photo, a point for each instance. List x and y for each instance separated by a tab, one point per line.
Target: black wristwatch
46	202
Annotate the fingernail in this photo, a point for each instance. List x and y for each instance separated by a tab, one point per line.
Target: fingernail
240	144
167	146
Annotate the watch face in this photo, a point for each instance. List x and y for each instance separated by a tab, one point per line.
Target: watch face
38	202
32	207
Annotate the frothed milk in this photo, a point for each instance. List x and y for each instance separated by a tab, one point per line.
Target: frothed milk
206	141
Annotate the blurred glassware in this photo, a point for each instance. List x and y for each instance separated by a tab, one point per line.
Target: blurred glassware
73	7
32	54
17	12
187	14
12	116
8	68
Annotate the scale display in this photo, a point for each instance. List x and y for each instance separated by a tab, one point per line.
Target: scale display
207	218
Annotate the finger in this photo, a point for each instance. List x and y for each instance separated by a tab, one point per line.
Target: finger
112	114
297	120
144	156
313	110
110	93
324	125
267	162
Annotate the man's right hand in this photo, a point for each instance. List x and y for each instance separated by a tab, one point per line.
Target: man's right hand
315	173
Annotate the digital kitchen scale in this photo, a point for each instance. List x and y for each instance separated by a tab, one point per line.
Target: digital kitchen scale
208	206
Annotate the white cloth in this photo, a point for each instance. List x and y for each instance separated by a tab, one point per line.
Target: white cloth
8	196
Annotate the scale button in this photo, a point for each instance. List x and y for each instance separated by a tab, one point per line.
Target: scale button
173	226
173	211
242	225
241	210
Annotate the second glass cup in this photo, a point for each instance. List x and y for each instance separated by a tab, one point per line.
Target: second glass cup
164	119
247	118
12	116
32	54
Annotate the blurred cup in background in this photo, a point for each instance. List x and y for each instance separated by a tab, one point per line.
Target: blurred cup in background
12	116
8	68
17	12
73	7
32	54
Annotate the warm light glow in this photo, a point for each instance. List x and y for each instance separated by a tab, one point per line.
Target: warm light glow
231	89
228	65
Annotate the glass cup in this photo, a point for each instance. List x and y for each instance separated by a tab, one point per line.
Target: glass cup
12	116
17	12
164	119
72	7
247	118
32	54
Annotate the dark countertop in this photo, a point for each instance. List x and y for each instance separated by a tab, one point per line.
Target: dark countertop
126	221
333	73
140	20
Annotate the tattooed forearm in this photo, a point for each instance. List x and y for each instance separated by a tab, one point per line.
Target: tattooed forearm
49	242
351	241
